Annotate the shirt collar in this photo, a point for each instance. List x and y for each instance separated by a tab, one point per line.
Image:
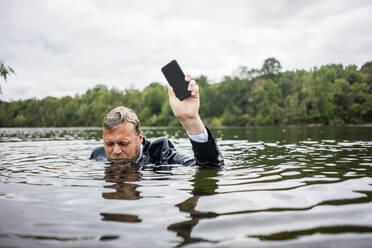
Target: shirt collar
141	150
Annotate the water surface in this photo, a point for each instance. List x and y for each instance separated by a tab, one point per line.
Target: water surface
280	187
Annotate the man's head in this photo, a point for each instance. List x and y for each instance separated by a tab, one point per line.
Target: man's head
122	135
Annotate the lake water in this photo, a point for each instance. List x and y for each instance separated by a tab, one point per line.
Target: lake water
280	187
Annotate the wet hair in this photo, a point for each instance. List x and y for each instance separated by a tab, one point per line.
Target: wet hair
118	116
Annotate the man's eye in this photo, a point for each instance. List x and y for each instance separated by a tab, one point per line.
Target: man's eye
123	143
109	144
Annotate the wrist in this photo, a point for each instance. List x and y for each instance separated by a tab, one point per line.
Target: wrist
193	126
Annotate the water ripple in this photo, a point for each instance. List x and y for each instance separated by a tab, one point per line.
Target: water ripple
302	187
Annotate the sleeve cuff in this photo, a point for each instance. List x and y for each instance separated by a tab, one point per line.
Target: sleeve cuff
200	138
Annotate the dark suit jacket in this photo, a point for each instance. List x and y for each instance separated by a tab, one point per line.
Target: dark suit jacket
162	151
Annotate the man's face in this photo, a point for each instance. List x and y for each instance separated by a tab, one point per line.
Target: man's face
122	144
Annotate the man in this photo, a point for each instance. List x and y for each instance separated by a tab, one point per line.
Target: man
124	141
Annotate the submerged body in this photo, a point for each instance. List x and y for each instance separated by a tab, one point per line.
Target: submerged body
162	151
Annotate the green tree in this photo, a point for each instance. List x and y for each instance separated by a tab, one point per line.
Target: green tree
5	71
367	71
318	95
153	98
266	99
271	69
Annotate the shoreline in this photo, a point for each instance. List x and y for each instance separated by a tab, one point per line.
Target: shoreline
211	126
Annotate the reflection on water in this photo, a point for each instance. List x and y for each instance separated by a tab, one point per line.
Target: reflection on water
122	176
204	183
286	187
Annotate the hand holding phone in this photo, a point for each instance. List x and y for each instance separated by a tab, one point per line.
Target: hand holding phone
176	78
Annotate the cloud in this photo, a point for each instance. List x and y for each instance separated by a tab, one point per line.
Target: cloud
65	47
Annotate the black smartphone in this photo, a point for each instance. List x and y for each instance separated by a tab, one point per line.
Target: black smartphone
176	78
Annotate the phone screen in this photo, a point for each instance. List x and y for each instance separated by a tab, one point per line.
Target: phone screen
176	78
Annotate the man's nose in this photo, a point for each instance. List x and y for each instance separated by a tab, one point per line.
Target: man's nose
117	149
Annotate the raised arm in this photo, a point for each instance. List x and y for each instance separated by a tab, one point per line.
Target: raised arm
187	111
205	148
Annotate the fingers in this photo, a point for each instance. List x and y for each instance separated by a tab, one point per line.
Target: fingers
188	78
193	87
171	91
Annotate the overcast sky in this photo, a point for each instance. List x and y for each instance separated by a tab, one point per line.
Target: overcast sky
65	47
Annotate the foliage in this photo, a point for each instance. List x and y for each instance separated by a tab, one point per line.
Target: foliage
331	94
5	71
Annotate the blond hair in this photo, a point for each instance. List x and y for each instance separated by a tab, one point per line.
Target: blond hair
118	116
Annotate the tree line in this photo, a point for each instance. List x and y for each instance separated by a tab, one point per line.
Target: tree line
332	94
